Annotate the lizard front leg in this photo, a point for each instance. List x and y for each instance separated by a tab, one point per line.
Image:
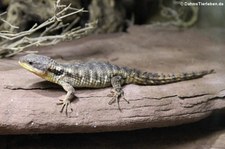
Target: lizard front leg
117	92
70	95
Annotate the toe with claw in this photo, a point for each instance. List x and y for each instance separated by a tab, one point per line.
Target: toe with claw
116	95
65	104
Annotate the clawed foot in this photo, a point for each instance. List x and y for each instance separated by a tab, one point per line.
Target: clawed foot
116	95
65	103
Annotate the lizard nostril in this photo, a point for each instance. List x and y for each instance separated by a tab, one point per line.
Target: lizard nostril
31	63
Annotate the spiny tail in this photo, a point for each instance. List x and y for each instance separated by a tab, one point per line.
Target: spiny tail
157	79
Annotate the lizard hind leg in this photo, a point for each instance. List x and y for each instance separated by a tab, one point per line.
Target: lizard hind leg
117	91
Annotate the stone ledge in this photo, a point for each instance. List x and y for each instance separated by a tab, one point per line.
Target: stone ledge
28	105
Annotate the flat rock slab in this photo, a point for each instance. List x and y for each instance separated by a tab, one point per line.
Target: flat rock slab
28	104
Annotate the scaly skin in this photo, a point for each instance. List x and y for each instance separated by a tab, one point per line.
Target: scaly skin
96	75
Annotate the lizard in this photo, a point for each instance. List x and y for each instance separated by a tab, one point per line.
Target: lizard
97	74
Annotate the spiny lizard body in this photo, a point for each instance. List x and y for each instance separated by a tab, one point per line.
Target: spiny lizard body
96	75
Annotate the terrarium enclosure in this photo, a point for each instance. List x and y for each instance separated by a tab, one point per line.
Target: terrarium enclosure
163	38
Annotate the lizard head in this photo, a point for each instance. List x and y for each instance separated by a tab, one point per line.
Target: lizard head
37	64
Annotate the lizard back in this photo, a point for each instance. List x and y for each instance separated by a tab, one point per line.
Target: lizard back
91	74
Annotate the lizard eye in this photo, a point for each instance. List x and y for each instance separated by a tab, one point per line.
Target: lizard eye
31	63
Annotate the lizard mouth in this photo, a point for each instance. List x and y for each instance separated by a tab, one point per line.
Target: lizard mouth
36	71
31	69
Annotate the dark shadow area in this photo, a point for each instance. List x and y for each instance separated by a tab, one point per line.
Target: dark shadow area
200	134
45	85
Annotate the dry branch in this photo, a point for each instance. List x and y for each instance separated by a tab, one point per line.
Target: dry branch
13	43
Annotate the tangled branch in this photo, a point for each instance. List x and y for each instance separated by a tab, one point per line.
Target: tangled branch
13	43
177	14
